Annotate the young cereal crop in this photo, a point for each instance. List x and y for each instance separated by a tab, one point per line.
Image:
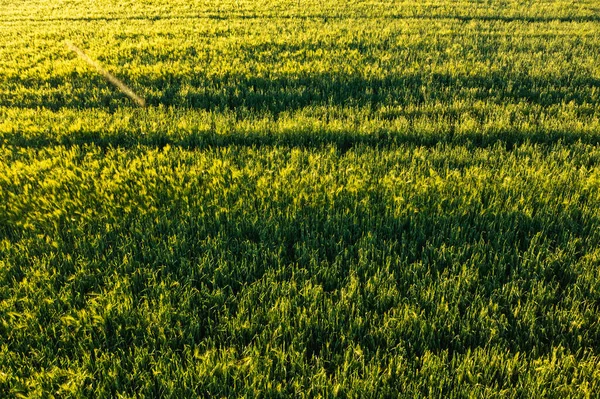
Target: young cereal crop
321	199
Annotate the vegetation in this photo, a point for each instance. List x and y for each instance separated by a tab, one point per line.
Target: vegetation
323	198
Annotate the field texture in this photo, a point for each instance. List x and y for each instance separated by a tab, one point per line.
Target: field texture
322	199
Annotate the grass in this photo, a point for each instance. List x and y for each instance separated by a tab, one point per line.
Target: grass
321	199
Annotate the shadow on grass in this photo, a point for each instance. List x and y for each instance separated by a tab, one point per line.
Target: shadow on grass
323	16
493	243
342	140
287	93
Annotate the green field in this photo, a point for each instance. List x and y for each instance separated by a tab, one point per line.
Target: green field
322	199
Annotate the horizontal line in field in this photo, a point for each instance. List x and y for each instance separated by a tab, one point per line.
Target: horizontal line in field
484	18
383	139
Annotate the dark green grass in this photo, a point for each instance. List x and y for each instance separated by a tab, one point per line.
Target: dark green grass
288	271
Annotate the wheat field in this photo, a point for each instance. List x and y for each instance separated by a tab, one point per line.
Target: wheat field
358	199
